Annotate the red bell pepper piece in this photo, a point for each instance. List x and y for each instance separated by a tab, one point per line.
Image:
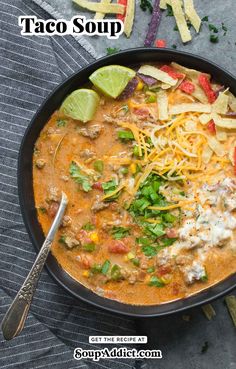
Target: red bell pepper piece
160	43
235	160
206	86
211	127
187	87
172	73
122	16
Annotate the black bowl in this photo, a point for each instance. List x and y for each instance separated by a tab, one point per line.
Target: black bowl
25	185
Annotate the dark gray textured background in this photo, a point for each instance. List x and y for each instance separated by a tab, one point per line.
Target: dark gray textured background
181	341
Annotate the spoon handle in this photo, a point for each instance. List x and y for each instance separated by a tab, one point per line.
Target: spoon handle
14	320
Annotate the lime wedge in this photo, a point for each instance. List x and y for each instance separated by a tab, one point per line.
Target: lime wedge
112	80
81	104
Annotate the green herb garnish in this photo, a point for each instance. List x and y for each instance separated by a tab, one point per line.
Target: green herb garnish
214	39
224	28
205	19
174	46
120	232
155	281
175	28
105	267
90	247
125	135
88	227
42	209
146	5
79	178
116	273
96	268
151	99
62	239
108	188
169	11
151	269
213	28
136	262
61	123
112	50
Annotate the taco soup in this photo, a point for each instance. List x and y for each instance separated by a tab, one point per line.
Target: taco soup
147	158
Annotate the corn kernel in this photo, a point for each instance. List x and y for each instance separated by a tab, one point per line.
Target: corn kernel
130	256
126	258
133	168
86	273
139	86
94	237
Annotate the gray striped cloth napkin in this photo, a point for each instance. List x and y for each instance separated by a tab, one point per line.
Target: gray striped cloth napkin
30	67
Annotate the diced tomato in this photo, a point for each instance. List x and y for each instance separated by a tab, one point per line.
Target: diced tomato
53	208
117	247
160	43
211	127
206	86
122	16
171	233
172	73
235	160
142	112
97	186
187	87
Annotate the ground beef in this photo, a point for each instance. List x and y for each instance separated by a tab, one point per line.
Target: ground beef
91	132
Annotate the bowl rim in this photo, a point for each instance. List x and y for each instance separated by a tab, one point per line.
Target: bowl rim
58	274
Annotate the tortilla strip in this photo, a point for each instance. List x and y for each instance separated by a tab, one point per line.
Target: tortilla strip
232	101
129	17
205	118
101	15
221	104
192	14
180	20
158	74
194	107
100	7
228	123
162	101
164	3
216	146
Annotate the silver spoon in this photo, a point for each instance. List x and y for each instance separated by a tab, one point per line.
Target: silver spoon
14	320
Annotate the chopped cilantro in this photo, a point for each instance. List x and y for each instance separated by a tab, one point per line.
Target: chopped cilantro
90	247
42	209
88	227
146	5
155	281
213	28
81	179
169	11
151	99
120	232
125	108
96	268
61	123
168	241
151	269
224	28
174	46
112	50
116	273
205	19
204	278
149	250
205	347
105	267
125	135
214	39
136	261
108	188
175	28
62	239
